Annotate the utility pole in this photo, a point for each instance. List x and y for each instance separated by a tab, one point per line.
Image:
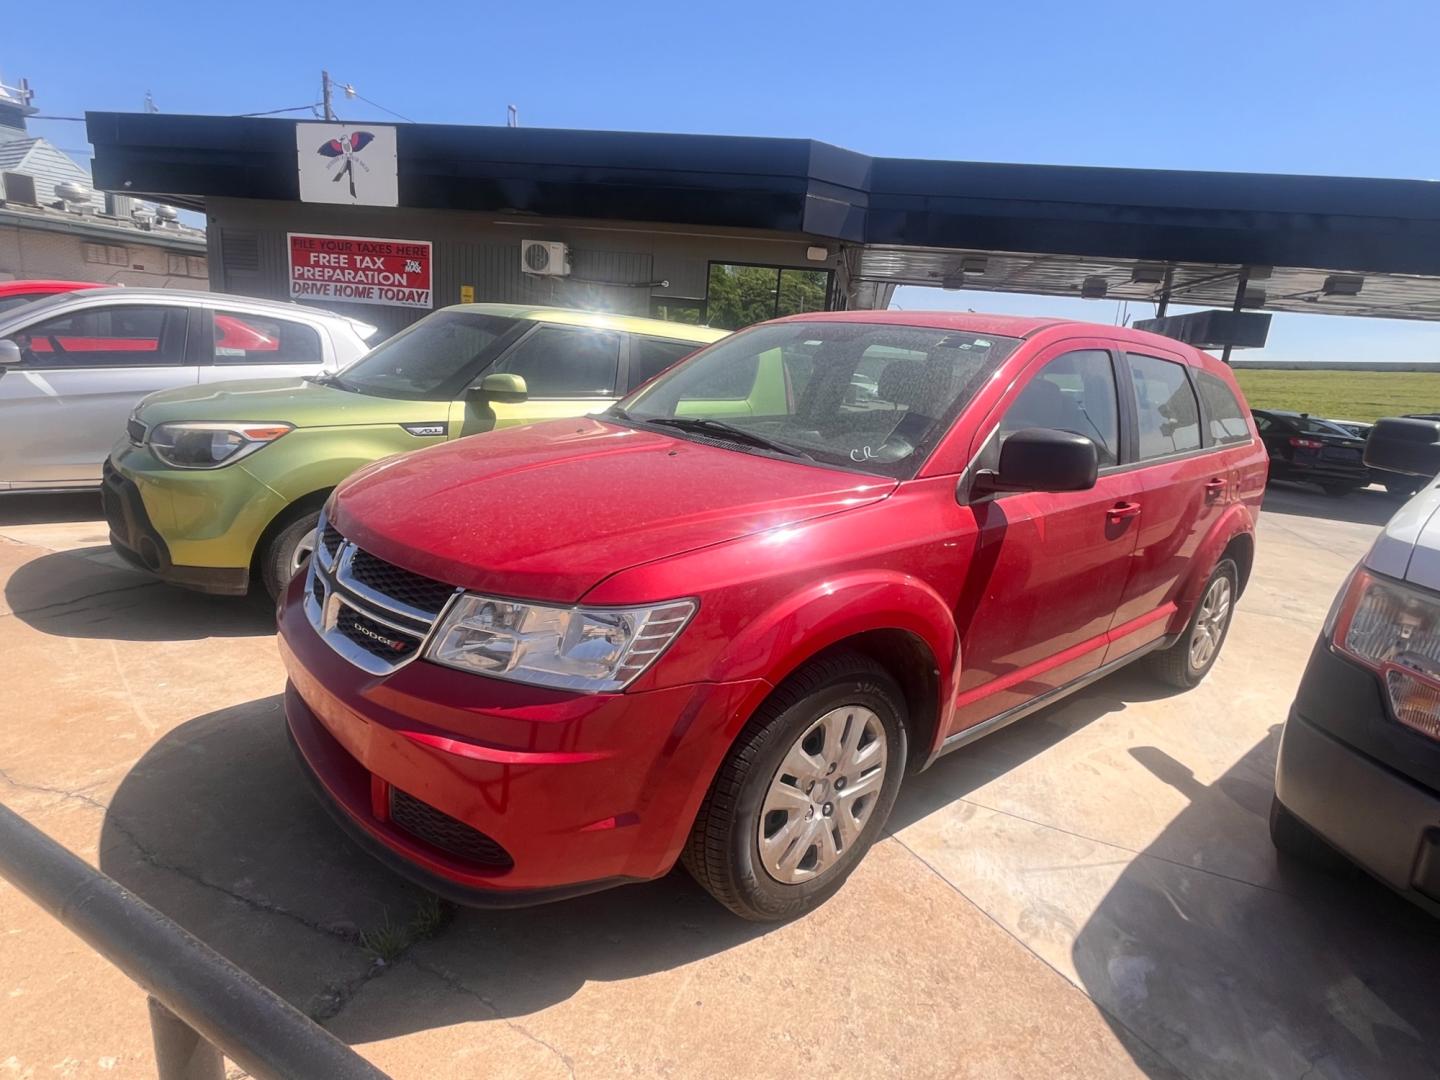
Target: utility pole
325	94
512	116
150	106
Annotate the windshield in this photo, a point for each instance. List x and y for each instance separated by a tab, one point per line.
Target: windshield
871	397
1311	426
433	360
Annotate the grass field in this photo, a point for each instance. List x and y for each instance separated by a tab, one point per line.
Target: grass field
1346	395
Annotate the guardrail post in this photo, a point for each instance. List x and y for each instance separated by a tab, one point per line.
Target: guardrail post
180	1052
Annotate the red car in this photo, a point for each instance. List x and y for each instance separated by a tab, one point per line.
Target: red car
721	621
15	293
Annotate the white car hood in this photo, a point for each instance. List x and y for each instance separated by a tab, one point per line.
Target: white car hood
1409	548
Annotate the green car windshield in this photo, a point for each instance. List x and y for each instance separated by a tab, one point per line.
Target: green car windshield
434	359
871	397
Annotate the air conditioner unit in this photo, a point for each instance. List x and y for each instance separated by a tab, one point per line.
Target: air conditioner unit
545	257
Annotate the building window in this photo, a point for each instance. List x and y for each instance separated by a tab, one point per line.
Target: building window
691	312
738	295
107	254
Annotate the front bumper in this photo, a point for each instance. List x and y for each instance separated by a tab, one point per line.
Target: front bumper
1333	775
135	539
205	523
559	793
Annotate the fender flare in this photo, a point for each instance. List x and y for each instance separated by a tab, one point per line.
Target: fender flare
807	622
1236	521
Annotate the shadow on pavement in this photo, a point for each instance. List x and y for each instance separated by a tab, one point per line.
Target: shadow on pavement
958	774
1301	975
216	827
71	594
22	508
1368	506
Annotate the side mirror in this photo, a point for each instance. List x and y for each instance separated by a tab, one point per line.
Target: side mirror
9	353
1400	444
1041	459
501	386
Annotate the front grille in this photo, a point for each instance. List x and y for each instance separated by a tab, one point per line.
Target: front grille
135	431
374	614
330	540
424	822
375	637
420	592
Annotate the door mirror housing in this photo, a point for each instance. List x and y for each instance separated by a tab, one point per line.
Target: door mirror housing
1041	459
500	386
9	353
1399	444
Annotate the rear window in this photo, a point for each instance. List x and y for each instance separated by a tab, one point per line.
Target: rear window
1223	414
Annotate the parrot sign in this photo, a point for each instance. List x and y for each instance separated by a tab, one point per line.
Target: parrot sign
347	164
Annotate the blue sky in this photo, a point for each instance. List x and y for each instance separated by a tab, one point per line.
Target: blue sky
1315	87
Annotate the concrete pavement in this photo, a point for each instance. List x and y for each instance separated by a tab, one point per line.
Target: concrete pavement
1088	893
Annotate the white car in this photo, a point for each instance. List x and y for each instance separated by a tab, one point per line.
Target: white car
1358	776
74	366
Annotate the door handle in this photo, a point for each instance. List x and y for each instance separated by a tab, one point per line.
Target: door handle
1215	487
1122	510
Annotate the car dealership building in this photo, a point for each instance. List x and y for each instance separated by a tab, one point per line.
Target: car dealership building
389	221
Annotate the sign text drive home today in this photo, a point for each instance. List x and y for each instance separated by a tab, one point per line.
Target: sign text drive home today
360	270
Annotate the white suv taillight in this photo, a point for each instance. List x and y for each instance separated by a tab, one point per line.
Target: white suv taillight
1394	630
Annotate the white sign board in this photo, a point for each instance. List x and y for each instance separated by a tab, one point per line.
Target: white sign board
360	270
350	164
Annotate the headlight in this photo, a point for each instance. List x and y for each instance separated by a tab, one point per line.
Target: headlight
1394	630
589	649
208	446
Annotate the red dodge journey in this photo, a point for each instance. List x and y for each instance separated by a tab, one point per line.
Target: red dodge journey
721	621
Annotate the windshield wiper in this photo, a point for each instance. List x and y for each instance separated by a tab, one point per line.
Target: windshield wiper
705	426
331	380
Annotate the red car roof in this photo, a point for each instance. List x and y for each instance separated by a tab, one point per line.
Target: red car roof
1003	325
48	285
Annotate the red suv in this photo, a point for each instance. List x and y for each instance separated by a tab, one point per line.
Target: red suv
721	621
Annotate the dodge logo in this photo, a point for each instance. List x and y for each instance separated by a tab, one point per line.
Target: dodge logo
374	635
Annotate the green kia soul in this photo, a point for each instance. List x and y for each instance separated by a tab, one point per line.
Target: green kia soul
211	485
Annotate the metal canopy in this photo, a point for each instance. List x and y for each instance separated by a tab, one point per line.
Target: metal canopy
1051	230
1297	289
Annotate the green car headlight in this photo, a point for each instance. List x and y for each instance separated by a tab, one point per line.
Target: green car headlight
209	446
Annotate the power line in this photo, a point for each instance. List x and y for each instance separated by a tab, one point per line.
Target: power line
275	112
351	92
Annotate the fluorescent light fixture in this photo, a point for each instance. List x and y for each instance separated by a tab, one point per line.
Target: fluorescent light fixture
974	264
1147	273
817	254
953	281
1094	288
1343	285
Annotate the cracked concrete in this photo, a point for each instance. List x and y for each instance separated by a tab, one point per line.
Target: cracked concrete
1088	893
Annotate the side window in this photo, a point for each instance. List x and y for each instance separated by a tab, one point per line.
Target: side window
1074	392
730	383
650	356
1168	412
563	362
127	335
1222	411
254	339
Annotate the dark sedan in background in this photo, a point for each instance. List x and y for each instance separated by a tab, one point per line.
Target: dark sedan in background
1311	450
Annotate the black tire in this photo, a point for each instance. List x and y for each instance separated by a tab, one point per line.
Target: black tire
1403	487
1336	491
1174	665
723	852
276	565
1295	840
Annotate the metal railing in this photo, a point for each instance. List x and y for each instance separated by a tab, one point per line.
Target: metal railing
201	1005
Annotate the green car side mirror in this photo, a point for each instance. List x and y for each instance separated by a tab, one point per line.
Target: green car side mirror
501	386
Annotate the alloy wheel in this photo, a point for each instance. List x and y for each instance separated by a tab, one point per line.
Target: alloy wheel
822	795
1210	623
